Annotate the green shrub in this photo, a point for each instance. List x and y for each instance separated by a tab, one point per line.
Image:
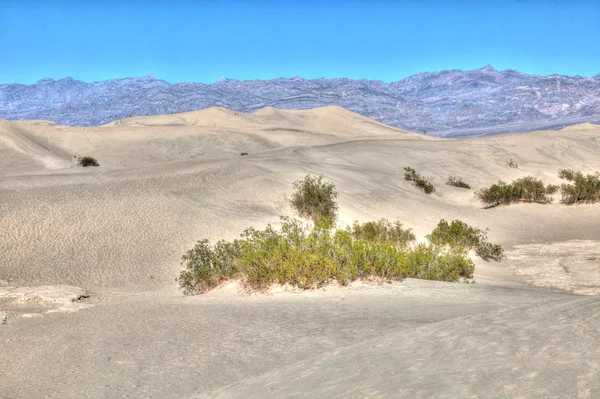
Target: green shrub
315	199
460	235
531	189
309	258
432	262
568	174
496	194
488	251
418	181
583	188
206	266
457	182
525	189
87	161
382	231
552	189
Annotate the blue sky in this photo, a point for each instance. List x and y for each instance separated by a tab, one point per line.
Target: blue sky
201	41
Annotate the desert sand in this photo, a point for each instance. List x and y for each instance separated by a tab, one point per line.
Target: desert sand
89	306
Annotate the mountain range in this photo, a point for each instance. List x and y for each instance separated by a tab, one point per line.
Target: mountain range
448	103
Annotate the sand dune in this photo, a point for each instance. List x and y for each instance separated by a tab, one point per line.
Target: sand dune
118	231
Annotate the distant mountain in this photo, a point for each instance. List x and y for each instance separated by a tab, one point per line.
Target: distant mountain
445	102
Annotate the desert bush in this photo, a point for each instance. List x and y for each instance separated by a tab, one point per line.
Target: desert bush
552	189
87	161
488	251
531	189
418	181
582	189
496	194
457	182
513	164
315	199
460	235
306	257
432	262
568	174
207	266
526	189
382	231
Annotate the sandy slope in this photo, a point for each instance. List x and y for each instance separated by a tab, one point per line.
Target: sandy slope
119	230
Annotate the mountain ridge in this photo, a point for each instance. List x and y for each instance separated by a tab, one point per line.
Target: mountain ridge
441	101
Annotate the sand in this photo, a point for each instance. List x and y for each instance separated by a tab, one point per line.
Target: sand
118	232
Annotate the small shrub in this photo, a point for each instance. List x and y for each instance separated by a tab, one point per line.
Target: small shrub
526	189
460	235
531	189
418	181
87	161
552	189
244	153
568	174
496	194
432	262
382	231
583	188
206	266
513	164
457	182
488	251
315	199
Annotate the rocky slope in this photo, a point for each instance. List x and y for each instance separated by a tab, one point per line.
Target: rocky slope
445	102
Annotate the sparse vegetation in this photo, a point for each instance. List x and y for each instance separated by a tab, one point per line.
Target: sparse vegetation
315	199
87	161
382	231
458	234
417	180
457	182
582	188
552	189
513	164
244	153
310	255
525	189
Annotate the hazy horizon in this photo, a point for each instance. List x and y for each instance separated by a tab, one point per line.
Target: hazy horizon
152	75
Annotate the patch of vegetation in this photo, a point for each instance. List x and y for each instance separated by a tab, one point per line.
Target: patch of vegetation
417	180
496	194
87	161
244	153
315	199
552	189
582	188
309	258
525	189
382	231
457	182
531	189
310	255
207	266
513	164
459	235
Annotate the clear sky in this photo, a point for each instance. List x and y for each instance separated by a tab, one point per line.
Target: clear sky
201	41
